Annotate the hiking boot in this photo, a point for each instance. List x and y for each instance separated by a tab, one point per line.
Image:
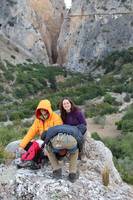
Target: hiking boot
34	166
24	164
57	174
30	164
44	161
72	177
79	156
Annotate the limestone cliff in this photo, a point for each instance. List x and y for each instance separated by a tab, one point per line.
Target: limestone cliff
31	27
49	18
92	29
44	31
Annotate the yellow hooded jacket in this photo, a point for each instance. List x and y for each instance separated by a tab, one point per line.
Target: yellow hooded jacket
39	126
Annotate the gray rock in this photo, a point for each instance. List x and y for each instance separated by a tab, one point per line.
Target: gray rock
39	185
93	29
12	146
29	30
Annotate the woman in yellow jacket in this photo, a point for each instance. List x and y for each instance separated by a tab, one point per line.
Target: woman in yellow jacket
45	118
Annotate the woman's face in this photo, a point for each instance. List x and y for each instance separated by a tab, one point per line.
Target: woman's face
66	105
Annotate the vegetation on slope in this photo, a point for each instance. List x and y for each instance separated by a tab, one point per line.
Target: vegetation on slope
122	146
23	86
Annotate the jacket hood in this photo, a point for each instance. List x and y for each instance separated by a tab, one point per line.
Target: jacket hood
43	104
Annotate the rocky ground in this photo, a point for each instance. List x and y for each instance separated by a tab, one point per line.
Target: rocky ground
25	184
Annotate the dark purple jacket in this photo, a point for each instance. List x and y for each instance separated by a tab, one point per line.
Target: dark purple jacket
75	118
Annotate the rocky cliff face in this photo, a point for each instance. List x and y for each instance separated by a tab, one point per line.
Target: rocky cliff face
39	185
49	18
31	29
92	29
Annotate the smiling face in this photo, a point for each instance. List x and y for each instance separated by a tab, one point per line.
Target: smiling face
66	105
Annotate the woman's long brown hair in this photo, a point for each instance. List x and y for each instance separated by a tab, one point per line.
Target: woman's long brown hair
63	111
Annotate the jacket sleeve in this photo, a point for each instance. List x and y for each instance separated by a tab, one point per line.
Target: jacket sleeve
81	118
43	136
30	134
57	120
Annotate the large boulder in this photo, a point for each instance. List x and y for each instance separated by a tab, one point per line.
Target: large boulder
12	146
39	185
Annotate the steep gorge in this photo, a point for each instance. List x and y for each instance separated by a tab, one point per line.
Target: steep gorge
49	17
44	31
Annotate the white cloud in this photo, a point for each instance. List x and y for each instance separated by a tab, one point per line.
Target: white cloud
68	3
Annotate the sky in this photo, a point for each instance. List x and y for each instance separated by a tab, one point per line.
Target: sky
68	3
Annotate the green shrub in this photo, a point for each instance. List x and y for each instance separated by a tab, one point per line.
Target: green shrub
30	88
30	105
53	84
116	59
16	115
3	116
126	123
9	76
127	126
9	134
125	168
109	99
108	109
1	88
2	98
21	92
96	136
129	113
127	71
118	88
108	82
129	87
100	109
119	125
4	155
115	146
100	120
123	155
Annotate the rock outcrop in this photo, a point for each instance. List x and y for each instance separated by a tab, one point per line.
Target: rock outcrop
39	185
92	29
31	29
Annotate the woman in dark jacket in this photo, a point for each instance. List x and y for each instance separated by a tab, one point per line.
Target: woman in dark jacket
73	116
